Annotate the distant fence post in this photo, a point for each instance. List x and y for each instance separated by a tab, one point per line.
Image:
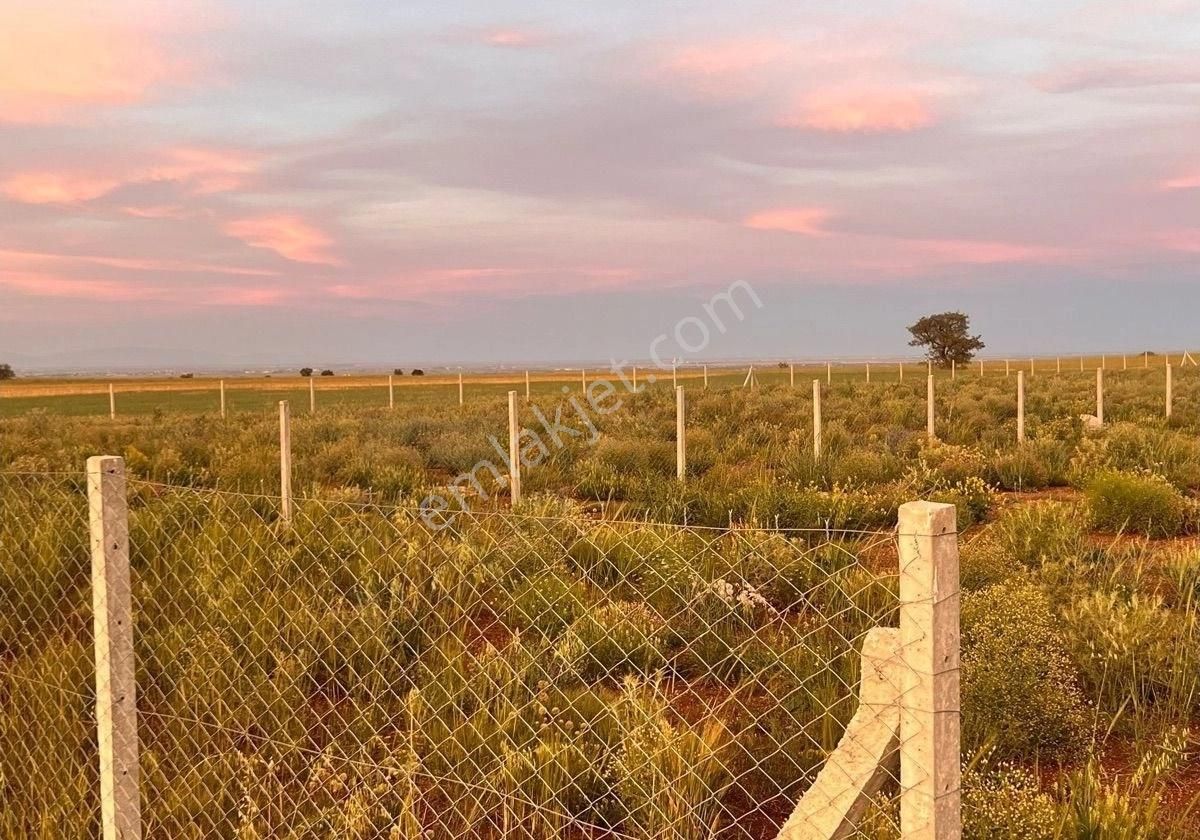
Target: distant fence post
514	449
902	371
792	376
930	797
635	377
583	377
1169	395
1031	367
680	435
1146	359
112	402
1006	370
312	395
112	615
828	373
868	371
817	419
1020	406
527	386
674	381
706	377
981	368
391	391
1125	362
222	399
460	388
1058	367
929	428
285	461
1100	395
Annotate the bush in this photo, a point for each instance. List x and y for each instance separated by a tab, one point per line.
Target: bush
547	603
1144	504
1007	803
327	373
614	639
397	371
306	371
6	372
1040	533
418	372
1020	689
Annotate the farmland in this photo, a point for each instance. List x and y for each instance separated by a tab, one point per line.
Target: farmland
622	653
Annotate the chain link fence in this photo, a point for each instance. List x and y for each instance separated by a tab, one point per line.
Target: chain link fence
354	672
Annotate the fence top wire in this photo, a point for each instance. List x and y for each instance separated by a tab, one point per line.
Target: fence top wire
416	512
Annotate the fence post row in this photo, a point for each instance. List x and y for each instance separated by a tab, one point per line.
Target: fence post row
112	615
285	461
514	449
930	805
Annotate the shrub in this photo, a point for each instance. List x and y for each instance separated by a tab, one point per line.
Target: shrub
1040	533
306	371
618	638
547	603
397	371
1020	689
327	373
1144	504
418	372
1007	803
984	561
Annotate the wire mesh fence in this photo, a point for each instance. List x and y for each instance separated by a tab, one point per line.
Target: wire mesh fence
361	672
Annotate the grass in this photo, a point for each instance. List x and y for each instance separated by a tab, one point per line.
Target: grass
358	675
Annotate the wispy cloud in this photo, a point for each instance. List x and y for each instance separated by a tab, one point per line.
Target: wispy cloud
289	236
862	110
809	221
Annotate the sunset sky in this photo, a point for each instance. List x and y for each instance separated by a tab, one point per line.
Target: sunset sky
426	182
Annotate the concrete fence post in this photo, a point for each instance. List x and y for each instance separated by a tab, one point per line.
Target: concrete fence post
112	402
828	373
391	391
1031	367
930	796
680	435
1103	362
706	376
285	461
583	378
901	366
635	377
953	368
929	428
1100	395
1169	394
460	388
1058	365
1007	372
1081	364
112	616
817	419
792	376
527	386
222	399
1146	359
1020	406
929	367
312	396
1125	362
674	380
868	371
514	449
981	368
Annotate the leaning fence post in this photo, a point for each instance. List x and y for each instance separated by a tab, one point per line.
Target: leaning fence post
112	615
1100	395
817	419
680	435
285	461
930	805
514	449
929	430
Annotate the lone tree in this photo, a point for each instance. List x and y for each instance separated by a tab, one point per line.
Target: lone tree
6	372
948	337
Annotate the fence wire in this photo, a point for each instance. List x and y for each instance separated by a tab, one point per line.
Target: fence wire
355	673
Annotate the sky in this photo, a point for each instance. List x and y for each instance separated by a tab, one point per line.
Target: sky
202	182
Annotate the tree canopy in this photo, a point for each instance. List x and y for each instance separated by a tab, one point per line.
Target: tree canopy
947	335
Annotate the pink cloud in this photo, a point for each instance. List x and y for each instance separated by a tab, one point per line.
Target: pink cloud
38	259
867	111
982	252
1181	182
809	221
722	67
201	171
514	38
290	236
1181	240
63	56
51	285
56	187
